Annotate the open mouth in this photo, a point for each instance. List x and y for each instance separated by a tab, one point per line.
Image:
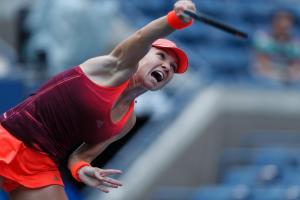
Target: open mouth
159	76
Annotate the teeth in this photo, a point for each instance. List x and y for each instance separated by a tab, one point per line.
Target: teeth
161	74
158	75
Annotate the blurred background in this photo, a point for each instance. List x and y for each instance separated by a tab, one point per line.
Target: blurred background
228	129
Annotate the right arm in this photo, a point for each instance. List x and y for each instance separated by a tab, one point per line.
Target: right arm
122	62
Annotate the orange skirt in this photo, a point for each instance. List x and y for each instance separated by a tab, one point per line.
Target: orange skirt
24	166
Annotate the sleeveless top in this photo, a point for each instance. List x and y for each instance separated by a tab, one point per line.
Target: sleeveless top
67	110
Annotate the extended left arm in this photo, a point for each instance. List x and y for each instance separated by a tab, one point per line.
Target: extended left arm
94	176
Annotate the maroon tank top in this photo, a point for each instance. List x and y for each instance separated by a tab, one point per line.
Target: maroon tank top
67	110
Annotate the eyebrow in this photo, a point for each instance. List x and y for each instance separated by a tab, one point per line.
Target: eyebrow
163	53
173	64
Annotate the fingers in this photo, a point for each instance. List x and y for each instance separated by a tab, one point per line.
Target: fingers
182	5
103	189
112	181
98	178
103	186
110	185
107	172
92	182
102	177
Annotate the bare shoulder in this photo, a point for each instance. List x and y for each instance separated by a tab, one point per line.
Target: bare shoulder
104	70
99	65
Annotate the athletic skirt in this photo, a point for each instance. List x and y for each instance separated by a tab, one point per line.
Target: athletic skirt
21	166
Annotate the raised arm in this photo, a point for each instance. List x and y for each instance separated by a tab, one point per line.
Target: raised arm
129	52
133	49
122	61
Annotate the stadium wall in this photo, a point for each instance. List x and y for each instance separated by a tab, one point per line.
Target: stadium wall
188	152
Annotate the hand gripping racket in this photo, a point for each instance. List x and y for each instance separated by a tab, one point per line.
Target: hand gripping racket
217	24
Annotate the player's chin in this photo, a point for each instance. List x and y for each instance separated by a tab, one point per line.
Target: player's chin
155	89
153	86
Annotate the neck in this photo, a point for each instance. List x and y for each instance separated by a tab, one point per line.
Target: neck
132	91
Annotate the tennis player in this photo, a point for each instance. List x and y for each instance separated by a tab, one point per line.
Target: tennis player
88	106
